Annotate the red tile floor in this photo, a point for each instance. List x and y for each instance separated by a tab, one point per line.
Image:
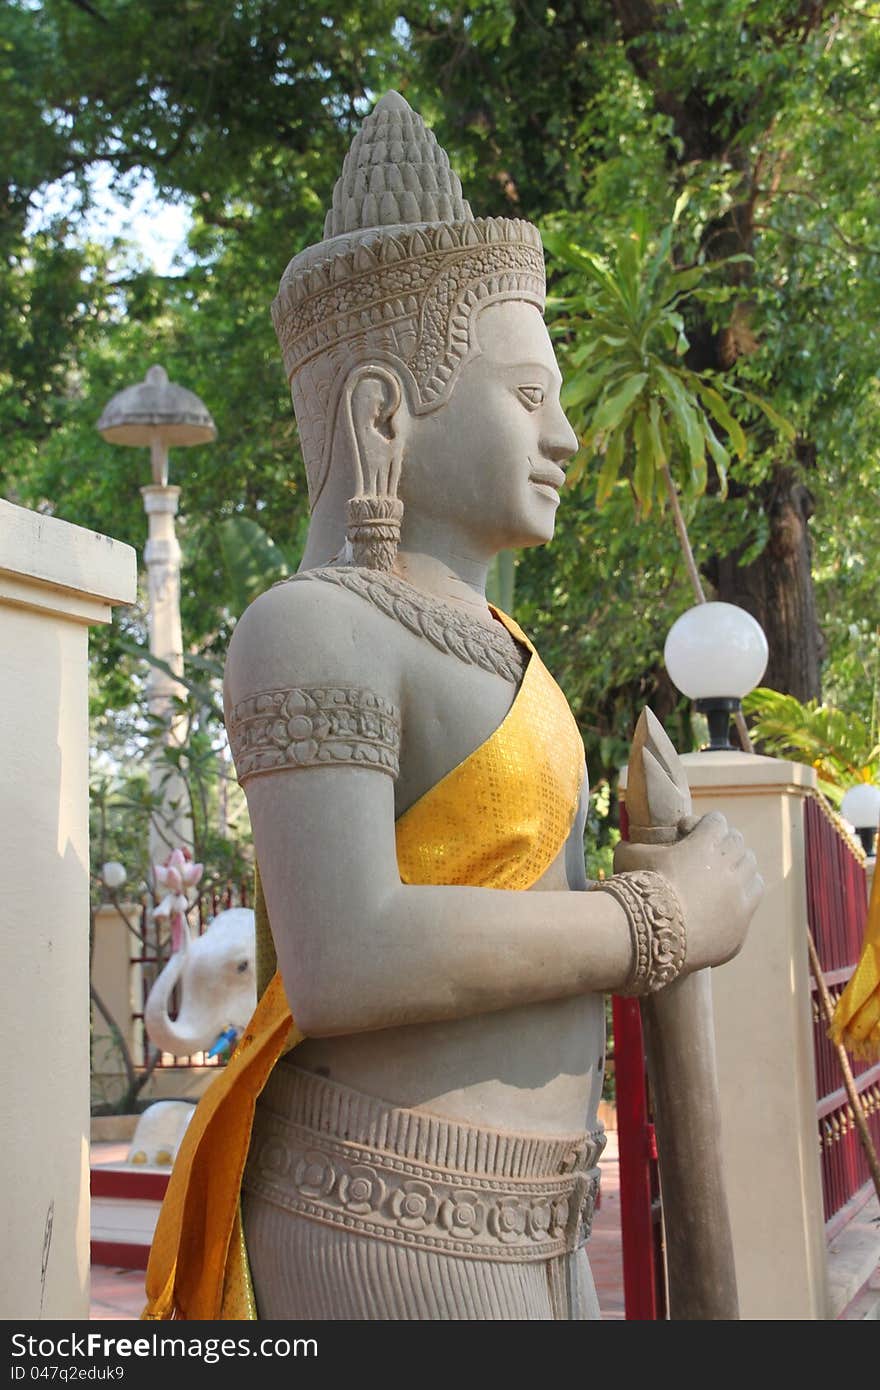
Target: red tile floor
119	1293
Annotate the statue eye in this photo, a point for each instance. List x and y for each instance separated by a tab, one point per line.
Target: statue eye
532	395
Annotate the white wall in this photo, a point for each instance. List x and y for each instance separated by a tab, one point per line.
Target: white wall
55	580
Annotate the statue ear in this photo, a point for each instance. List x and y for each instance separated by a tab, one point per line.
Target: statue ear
375	404
377	417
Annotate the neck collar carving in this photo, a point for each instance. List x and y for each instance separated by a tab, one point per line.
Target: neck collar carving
448	629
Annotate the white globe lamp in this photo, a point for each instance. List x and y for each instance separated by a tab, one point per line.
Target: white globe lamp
114	875
715	654
861	807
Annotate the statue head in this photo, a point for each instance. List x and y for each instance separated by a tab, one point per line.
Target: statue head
421	371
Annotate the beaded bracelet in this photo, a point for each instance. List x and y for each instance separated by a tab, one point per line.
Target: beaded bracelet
656	923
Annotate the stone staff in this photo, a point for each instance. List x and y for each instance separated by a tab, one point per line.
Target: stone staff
680	1048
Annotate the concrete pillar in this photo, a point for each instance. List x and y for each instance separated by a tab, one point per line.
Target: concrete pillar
172	826
763	1028
55	580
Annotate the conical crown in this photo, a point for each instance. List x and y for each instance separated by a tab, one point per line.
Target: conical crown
395	173
403	263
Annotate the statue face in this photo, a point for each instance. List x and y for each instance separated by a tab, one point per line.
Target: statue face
489	463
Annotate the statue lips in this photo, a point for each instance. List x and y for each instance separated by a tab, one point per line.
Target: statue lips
547	479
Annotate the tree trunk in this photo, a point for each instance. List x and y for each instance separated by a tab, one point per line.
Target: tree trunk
777	589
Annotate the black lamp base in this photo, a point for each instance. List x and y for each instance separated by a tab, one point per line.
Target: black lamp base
718	709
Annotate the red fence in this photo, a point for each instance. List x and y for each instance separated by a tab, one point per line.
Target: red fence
641	1224
837	907
152	959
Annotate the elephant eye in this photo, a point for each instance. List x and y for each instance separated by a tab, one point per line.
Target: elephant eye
242	966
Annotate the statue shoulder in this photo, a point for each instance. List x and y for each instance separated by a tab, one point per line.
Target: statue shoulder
309	633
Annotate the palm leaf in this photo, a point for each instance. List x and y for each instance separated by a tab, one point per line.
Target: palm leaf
715	404
613	407
252	560
645	469
611	465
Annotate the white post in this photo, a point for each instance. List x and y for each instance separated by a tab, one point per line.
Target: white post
172	824
764	1037
117	983
55	580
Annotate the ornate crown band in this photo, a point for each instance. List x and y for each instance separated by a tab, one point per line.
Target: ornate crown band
425	280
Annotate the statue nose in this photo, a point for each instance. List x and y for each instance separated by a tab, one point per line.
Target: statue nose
560	441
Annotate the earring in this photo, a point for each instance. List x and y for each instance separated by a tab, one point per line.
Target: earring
373	530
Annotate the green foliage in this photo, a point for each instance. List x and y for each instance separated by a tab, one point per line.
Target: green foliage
622	344
253	561
766	114
842	748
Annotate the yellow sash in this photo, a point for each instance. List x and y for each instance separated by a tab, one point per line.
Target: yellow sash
856	1021
498	820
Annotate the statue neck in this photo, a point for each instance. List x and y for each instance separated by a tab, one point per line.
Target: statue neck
456	579
435	559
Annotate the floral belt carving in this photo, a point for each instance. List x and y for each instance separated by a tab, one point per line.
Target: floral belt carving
371	1192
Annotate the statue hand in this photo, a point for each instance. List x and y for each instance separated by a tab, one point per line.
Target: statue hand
715	879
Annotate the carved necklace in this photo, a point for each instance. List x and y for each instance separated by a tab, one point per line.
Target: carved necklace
448	629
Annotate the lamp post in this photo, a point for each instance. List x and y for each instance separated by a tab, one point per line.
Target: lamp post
157	414
715	654
861	807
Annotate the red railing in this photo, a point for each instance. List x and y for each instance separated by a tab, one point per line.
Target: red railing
837	908
152	962
641	1225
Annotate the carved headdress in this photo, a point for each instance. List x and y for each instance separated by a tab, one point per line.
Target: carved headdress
402	271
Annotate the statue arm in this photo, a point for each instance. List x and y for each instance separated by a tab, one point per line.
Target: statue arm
358	949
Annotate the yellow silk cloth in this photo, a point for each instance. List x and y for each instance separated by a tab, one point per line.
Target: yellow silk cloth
498	820
856	1021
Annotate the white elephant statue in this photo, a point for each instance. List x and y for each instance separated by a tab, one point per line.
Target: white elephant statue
159	1132
216	978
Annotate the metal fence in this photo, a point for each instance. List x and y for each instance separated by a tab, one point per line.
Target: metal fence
150	959
837	908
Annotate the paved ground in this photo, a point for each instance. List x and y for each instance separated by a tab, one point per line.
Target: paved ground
119	1293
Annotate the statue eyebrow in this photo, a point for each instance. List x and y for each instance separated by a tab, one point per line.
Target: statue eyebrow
542	367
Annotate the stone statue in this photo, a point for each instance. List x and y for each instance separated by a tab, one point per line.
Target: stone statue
429	1148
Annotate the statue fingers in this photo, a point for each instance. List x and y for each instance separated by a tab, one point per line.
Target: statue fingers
709	831
733	847
755	886
686	824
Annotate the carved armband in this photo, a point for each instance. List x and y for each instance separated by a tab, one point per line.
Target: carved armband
656	924
314	727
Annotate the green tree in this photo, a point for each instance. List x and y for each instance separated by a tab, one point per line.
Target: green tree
764	112
842	748
639	409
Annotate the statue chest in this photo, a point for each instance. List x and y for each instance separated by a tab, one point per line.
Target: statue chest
449	710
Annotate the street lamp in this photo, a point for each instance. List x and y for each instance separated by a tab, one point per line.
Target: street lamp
861	807
158	414
715	654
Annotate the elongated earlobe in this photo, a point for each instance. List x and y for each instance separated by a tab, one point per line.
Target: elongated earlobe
372	400
373	530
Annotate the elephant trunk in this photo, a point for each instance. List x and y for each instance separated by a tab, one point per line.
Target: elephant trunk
166	1034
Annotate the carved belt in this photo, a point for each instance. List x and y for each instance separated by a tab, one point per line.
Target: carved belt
372	1192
